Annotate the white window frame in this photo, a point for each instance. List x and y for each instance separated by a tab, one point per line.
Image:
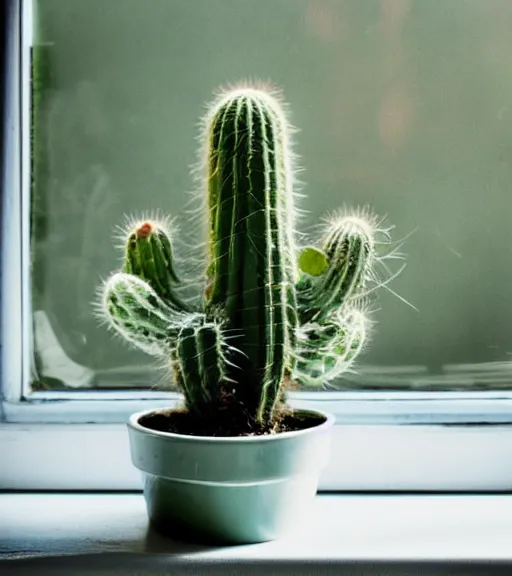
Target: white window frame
383	441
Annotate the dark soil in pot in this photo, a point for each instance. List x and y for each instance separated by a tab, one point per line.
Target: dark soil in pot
226	425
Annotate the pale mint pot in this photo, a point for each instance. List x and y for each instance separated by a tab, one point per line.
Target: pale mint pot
229	490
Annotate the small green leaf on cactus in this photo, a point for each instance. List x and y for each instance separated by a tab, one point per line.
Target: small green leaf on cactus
313	261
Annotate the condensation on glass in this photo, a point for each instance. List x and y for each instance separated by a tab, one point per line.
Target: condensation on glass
403	105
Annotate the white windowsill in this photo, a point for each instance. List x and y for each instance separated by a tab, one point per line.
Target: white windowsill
108	534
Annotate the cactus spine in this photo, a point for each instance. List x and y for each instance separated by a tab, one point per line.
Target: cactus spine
267	315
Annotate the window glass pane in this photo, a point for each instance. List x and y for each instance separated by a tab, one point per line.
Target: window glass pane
403	105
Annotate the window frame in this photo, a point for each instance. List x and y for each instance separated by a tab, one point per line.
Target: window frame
385	441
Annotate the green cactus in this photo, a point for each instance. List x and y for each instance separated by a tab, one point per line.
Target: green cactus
269	315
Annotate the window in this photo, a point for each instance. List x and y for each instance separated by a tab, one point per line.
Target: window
402	105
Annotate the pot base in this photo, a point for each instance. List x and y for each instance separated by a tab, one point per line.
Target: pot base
219	514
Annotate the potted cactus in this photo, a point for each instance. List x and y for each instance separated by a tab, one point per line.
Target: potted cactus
236	464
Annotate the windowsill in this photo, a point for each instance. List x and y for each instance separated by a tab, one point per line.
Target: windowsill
108	533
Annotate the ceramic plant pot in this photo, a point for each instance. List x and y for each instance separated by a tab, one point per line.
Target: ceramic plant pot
229	490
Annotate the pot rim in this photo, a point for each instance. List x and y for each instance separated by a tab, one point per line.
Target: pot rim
133	423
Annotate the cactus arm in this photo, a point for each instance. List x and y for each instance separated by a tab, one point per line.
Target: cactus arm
328	350
333	332
202	356
134	310
196	365
148	255
349	250
196	347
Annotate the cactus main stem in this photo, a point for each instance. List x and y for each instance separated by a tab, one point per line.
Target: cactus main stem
253	270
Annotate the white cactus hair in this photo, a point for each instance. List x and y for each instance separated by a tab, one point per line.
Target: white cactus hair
384	249
132	222
375	227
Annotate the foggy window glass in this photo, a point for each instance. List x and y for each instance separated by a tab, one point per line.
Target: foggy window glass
402	105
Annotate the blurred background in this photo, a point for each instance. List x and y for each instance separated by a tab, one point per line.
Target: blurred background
402	105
